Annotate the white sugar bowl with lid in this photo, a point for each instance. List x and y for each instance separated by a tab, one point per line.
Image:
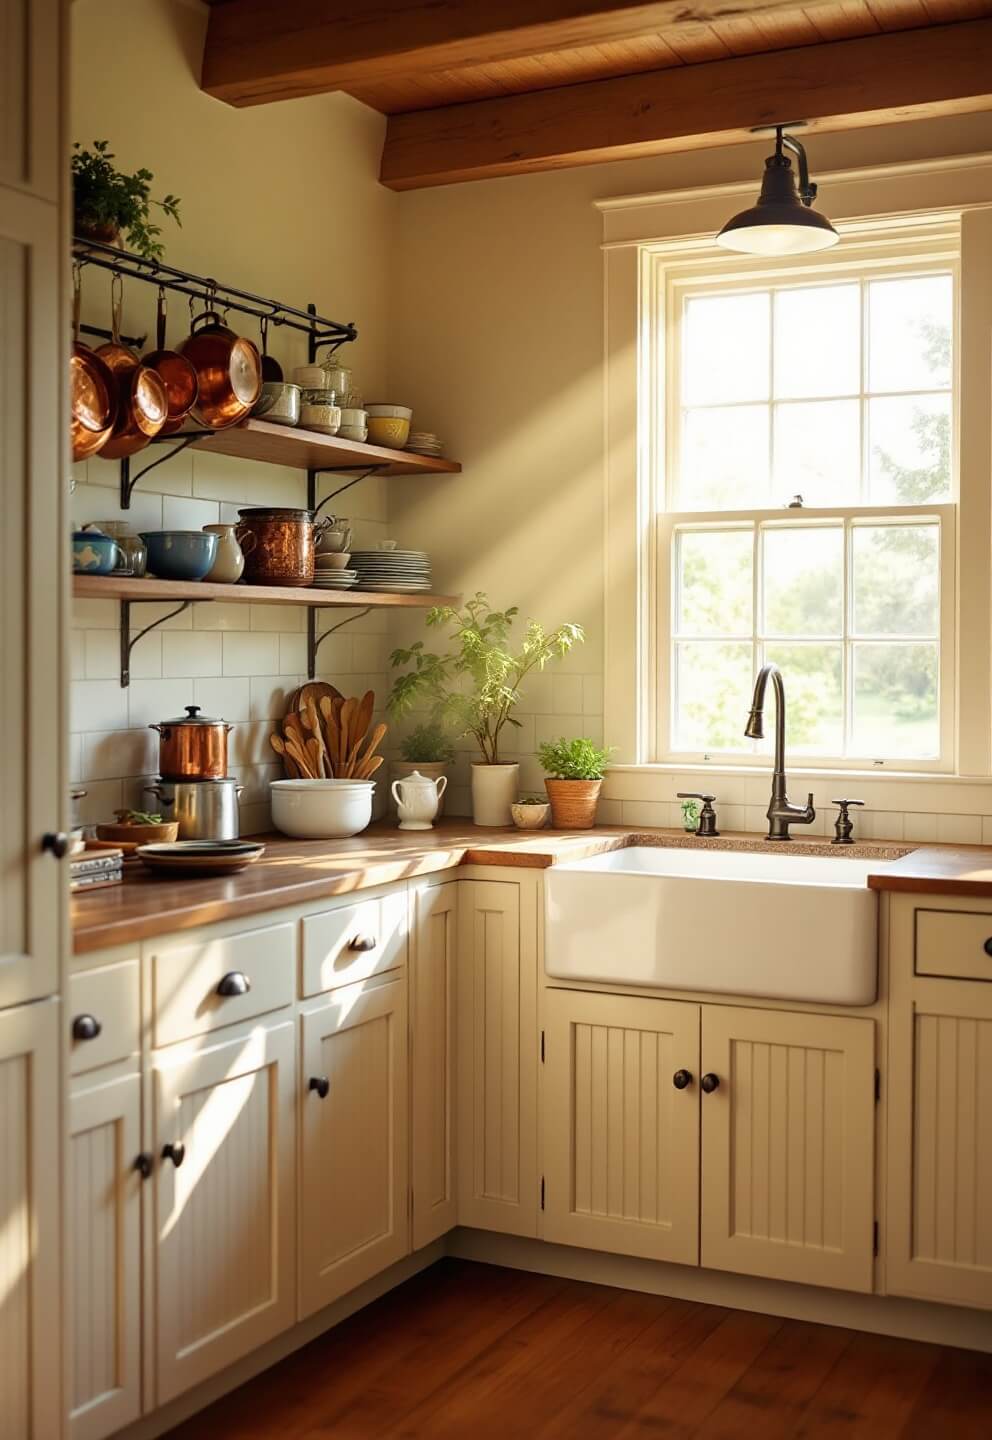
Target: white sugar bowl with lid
417	798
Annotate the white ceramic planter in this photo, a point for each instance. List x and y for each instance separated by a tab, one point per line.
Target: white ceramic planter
494	789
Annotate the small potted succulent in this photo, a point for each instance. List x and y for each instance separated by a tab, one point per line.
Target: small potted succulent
428	750
530	812
575	770
107	203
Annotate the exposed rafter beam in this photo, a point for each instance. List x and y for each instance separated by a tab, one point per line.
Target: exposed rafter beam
838	85
262	50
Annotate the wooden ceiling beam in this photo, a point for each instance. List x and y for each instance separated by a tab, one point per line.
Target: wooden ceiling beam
262	50
838	85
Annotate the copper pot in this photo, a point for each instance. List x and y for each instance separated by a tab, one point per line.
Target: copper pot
92	392
192	747
176	373
279	545
228	371
142	403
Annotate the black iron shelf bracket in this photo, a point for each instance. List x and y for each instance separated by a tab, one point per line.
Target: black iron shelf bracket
335	470
314	641
320	330
128	481
128	642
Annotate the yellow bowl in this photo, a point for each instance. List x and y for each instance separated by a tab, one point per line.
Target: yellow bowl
389	431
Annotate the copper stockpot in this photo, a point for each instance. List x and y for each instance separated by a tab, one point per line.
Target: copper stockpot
279	545
142	403
192	747
92	392
176	373
228	372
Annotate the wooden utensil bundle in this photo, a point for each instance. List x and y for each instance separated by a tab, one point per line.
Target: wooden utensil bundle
325	736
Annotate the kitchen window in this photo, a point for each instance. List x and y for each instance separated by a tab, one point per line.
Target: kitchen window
801	441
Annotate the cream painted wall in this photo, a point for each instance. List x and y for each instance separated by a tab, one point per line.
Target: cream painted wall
281	200
497	342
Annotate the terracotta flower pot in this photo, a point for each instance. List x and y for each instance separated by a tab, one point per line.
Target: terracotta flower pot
573	803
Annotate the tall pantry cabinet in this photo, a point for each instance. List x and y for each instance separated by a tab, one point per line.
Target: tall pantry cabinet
33	468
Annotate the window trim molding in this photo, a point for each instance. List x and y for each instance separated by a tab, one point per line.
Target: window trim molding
876	204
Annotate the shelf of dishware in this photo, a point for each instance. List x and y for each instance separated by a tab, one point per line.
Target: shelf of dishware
307	450
128	587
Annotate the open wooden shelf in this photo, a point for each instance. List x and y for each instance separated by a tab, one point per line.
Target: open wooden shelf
126	587
306	450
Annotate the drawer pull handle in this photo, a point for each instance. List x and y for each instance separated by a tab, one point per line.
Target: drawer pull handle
143	1165
710	1082
176	1153
987	947
363	942
235	982
682	1079
321	1084
86	1027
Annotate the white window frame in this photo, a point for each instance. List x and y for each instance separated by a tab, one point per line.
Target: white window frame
940	204
671	282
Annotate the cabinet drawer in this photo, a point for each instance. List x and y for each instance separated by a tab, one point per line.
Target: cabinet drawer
185	980
354	941
107	1001
952	943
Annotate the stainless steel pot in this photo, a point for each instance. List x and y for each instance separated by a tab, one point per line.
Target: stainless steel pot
192	747
205	809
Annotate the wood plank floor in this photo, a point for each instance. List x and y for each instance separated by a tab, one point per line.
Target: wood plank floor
476	1352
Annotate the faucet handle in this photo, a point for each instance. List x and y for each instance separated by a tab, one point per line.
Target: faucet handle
844	826
707	816
694	795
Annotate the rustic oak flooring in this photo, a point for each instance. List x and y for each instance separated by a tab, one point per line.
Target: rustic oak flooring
476	1352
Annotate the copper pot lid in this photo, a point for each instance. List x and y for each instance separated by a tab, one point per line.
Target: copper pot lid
192	717
92	404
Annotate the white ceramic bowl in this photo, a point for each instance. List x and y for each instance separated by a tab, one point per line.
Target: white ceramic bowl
321	809
336	560
353	433
390	412
350	415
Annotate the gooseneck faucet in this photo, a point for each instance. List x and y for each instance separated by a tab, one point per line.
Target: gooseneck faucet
781	813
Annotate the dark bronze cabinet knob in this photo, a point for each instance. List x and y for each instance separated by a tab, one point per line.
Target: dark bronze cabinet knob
987	947
363	942
235	982
681	1079
143	1165
86	1027
321	1084
176	1153
56	842
710	1082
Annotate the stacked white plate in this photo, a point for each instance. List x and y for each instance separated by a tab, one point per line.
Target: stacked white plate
399	572
424	442
334	579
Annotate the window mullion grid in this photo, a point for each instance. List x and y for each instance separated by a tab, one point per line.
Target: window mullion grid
863	400
847	658
771	395
757	615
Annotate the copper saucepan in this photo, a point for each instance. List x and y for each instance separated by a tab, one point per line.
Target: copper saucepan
228	370
92	391
142	402
176	373
192	747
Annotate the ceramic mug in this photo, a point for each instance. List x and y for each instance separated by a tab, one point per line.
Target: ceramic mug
417	799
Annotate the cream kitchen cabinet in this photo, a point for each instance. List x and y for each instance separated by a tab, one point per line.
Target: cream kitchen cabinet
498	1184
105	1178
939	1210
621	1125
224	1221
433	965
30	1389
354	1171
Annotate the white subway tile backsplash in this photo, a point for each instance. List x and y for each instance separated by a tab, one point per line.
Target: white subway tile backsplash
99	705
92	504
286	619
95	615
592	694
249	744
959	829
250	654
566	694
193	653
922	829
221	615
152	701
114	753
224	697
180	512
292	654
102	798
102	650
268	695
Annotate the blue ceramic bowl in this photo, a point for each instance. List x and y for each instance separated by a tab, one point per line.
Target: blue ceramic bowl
180	554
93	553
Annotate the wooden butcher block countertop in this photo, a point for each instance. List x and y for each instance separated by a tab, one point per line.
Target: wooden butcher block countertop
295	872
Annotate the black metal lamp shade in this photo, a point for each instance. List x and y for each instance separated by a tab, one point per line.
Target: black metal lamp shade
782	222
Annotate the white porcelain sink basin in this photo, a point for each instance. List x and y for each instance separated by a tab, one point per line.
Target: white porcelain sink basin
783	926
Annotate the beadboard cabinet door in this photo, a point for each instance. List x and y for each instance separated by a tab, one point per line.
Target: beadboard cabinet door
433	962
104	1239
939	1193
621	1139
30	1170
498	1182
354	1138
31	61
225	1220
788	1146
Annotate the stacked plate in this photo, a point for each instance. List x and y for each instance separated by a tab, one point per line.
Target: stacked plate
334	579
424	442
399	572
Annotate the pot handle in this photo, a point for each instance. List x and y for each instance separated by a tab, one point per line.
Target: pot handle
214	316
246	538
326	522
160	320
159	729
239	790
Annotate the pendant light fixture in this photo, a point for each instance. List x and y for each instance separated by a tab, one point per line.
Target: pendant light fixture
782	221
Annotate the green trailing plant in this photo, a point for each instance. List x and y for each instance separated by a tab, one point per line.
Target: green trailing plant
573	759
427	745
137	817
533	800
105	198
473	687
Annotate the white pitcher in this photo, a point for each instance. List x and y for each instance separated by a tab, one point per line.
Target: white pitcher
417	799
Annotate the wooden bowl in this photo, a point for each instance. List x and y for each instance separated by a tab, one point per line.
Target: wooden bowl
133	835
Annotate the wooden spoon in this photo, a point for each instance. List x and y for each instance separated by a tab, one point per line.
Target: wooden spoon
369	766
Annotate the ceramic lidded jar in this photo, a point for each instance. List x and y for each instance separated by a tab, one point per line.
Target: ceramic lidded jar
417	799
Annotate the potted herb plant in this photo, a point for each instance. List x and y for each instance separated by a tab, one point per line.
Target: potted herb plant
575	770
427	749
474	686
107	203
530	812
